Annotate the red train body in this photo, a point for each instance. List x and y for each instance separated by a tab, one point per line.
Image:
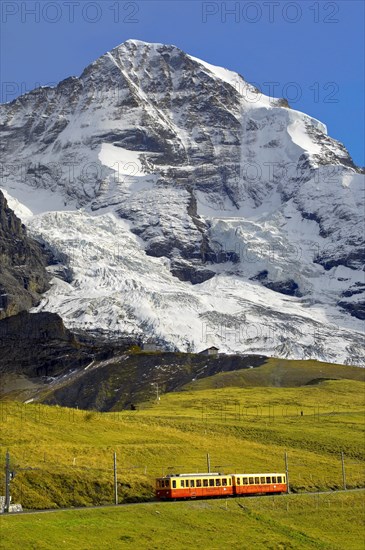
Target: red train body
205	485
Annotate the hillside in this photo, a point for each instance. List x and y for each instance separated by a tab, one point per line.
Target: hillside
280	373
55	366
70	461
91	373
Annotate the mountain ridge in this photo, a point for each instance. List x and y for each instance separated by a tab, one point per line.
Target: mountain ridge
163	149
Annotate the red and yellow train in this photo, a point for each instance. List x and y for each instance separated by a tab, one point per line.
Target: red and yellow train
205	485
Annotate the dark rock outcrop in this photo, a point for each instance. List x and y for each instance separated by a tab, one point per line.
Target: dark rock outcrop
23	275
356	309
186	271
38	345
288	287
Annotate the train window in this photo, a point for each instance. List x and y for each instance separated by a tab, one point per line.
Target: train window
238	481
230	481
182	483
250	480
192	483
211	483
174	484
217	482
198	482
224	481
262	480
244	481
280	479
274	479
268	479
257	480
167	483
205	483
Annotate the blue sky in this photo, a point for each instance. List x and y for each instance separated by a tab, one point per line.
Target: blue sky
309	51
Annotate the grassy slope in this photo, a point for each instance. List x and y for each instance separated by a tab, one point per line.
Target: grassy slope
328	522
116	383
280	373
64	457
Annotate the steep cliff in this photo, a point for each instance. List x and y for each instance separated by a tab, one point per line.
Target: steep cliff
23	275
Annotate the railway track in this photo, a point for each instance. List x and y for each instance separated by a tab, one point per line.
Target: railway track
154	502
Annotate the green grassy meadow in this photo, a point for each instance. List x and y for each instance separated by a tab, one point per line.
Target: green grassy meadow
245	420
332	522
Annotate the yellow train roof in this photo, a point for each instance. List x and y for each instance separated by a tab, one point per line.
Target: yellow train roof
215	474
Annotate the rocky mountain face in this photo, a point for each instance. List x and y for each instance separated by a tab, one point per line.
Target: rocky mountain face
128	379
39	346
33	344
187	206
41	360
23	275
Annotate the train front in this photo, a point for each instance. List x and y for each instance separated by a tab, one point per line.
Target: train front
163	488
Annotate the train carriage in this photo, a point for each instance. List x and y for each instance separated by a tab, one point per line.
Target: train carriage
259	484
194	486
205	485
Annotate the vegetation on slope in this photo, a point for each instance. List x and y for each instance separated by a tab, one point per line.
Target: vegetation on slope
64	457
327	522
281	373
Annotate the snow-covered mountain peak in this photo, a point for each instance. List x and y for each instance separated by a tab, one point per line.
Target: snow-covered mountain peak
141	43
169	184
